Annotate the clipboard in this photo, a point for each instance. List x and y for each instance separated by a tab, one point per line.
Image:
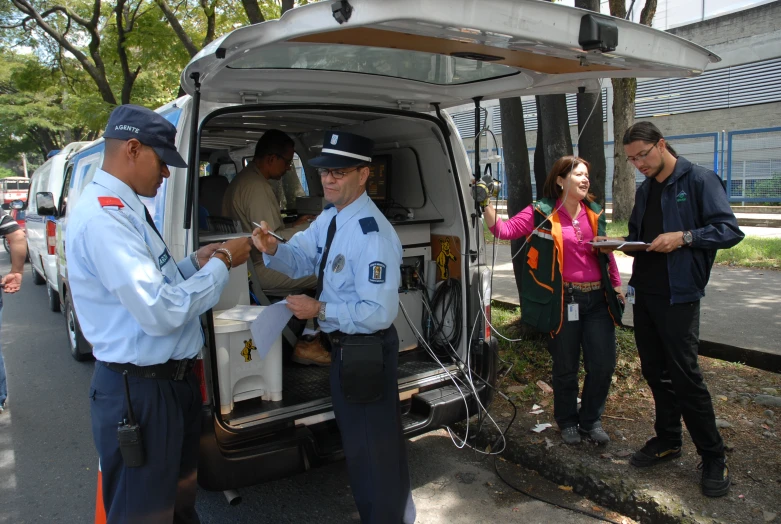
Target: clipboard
621	245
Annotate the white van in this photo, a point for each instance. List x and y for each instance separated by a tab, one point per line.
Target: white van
45	188
385	70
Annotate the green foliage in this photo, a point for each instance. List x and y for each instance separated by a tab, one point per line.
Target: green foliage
617	229
5	172
753	252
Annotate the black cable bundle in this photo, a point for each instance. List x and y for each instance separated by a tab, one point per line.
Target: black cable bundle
446	301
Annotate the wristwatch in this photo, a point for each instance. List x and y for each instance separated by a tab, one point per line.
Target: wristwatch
321	314
687	238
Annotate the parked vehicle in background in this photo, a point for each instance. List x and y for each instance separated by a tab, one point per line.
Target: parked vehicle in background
45	188
13	188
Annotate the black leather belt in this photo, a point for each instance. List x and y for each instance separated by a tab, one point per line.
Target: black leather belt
335	336
171	370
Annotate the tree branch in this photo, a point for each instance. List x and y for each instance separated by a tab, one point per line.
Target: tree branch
209	11
648	12
95	69
252	9
177	27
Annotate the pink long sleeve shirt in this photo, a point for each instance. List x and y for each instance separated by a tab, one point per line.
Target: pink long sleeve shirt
580	261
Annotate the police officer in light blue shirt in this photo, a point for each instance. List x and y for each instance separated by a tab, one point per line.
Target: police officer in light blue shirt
357	255
140	310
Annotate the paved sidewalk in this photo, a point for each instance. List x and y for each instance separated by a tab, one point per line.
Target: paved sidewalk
740	314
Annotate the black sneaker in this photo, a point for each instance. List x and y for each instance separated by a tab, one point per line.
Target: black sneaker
715	476
654	452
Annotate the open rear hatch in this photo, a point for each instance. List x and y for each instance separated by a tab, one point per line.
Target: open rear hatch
411	53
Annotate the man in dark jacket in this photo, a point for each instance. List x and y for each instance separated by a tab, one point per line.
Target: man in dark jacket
682	211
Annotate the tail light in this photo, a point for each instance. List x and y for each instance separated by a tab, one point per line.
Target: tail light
51	237
200	373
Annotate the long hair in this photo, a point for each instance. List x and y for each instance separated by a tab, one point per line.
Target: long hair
562	168
645	131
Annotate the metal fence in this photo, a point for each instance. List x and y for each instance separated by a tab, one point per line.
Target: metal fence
748	161
754	165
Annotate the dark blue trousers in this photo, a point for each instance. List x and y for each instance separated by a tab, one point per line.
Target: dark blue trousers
374	444
596	334
169	412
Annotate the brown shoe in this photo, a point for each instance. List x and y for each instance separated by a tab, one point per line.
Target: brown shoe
313	352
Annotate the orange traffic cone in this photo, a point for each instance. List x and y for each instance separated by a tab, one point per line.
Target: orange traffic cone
100	509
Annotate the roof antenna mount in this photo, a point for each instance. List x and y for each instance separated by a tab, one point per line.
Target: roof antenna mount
342	11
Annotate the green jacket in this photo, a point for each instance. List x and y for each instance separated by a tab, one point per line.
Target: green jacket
542	297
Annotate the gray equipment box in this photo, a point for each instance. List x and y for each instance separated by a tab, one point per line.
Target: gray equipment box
310	205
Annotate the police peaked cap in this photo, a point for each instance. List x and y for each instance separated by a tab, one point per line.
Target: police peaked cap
342	149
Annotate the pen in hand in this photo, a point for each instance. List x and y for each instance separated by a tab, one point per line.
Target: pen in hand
281	239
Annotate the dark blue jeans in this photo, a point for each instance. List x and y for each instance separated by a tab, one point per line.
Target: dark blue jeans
596	334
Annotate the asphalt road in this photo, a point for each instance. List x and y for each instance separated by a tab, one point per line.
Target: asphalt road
48	464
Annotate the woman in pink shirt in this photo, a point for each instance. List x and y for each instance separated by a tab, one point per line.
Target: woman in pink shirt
567	287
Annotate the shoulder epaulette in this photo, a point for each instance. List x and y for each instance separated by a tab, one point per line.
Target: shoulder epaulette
110	202
369	224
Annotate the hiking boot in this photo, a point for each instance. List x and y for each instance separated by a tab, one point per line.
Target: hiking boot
715	476
596	434
654	452
570	435
311	353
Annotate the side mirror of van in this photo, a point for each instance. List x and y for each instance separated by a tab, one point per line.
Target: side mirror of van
17	204
45	204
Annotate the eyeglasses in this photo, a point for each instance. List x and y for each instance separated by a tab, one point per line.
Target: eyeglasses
285	160
338	174
639	157
578	232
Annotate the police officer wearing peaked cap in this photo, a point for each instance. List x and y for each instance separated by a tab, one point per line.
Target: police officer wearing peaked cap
140	310
356	254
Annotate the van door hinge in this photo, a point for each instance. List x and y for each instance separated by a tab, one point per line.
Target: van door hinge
249	97
405	105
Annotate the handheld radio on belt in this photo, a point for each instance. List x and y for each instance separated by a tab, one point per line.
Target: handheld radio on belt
131	444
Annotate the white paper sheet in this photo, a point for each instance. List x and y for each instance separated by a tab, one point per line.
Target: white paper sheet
268	326
241	313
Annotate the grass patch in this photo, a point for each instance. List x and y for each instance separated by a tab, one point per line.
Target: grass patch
489	237
753	252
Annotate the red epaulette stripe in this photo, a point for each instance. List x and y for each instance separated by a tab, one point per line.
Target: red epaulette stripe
110	201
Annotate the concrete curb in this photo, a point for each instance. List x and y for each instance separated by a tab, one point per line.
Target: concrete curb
617	492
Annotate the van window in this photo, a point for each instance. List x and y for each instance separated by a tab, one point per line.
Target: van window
156	205
84	166
65	187
431	68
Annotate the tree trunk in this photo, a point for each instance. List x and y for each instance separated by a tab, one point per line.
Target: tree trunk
287	5
179	31
252	9
591	145
624	91
556	140
516	169
539	154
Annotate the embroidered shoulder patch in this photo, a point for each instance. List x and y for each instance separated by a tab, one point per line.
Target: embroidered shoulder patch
368	224
164	258
377	272
110	202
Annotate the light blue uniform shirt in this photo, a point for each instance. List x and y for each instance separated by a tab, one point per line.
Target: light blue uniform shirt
134	303
362	274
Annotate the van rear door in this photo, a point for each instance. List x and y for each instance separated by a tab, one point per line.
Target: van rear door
410	53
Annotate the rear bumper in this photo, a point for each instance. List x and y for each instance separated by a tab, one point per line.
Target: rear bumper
278	454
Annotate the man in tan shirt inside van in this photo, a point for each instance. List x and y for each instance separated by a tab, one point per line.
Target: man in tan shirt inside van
250	198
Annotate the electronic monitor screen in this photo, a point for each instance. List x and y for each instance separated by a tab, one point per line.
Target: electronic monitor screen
377	184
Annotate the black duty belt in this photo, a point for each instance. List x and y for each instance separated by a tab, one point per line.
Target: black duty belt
171	370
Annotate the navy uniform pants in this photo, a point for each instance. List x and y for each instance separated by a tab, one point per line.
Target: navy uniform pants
374	444
169	412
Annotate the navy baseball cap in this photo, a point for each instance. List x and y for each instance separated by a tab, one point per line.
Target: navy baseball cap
341	149
131	121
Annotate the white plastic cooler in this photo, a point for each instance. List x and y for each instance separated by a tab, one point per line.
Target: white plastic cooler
242	373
